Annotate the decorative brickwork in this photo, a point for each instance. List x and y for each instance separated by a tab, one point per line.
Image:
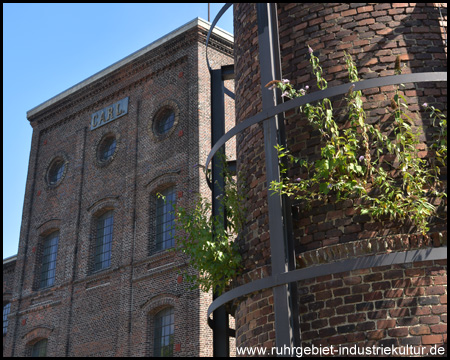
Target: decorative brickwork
377	245
374	34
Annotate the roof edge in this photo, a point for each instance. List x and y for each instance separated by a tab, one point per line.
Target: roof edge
9	259
191	24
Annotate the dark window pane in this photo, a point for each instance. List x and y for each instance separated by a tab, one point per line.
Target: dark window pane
107	148
165	122
39	349
165	220
56	172
102	258
6	311
48	265
164	333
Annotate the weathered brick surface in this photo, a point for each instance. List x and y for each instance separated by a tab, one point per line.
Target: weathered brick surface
384	307
111	312
374	34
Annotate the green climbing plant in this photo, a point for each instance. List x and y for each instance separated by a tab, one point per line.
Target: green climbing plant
207	241
353	163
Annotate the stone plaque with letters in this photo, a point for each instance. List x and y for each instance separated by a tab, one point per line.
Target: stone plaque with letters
109	113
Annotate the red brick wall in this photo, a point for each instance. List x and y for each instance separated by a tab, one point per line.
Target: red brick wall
397	305
110	312
374	34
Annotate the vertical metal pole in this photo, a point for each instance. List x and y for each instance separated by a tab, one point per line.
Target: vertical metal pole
285	297
221	342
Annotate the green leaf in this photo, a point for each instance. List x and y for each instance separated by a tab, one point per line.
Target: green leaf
323	187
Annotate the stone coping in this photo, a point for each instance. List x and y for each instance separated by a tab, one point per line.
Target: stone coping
375	246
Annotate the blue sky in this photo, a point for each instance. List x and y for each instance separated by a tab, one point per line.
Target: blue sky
47	48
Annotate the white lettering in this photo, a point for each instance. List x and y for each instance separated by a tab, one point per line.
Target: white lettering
118	111
102	118
109	113
94	122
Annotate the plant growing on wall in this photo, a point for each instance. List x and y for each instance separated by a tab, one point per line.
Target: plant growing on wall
352	162
208	243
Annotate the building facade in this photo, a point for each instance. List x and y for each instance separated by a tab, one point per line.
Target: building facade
92	275
398	305
95	274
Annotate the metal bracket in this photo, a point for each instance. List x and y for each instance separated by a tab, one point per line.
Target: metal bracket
364	262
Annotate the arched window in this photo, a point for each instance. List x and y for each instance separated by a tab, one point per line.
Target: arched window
103	241
39	349
164	327
165	220
48	263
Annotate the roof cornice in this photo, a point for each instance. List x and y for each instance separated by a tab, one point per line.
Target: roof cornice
9	259
194	23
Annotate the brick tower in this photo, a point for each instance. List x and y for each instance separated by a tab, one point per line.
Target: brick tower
393	305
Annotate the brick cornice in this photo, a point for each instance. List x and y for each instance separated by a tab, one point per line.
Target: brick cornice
93	99
373	246
194	31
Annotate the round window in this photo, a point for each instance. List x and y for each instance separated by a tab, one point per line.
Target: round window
56	171
164	121
107	148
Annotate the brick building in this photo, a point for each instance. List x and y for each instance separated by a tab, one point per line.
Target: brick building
93	275
74	170
393	305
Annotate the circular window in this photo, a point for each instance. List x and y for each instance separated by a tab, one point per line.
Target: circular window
56	171
164	122
107	148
